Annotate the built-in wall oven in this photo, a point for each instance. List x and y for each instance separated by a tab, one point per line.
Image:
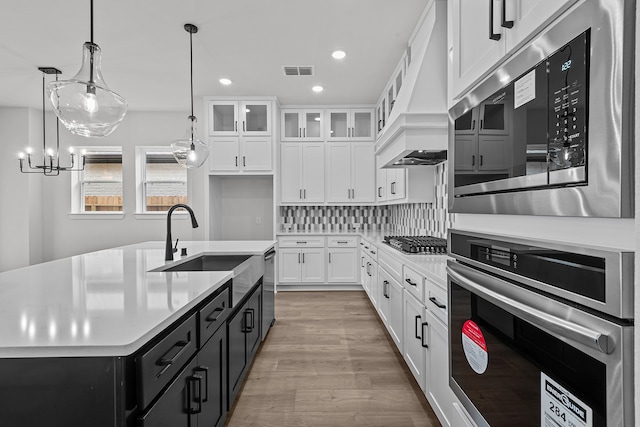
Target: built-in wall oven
550	132
540	333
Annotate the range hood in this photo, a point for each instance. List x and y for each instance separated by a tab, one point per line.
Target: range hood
416	132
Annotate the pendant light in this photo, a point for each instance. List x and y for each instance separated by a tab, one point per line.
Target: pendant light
85	104
50	158
189	151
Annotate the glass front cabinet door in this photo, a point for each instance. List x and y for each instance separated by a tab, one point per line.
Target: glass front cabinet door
233	118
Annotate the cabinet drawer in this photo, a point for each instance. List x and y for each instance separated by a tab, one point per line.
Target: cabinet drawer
342	242
158	365
413	282
392	265
370	249
213	315
301	242
436	301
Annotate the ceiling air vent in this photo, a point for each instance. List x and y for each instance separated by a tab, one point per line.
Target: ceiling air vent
298	71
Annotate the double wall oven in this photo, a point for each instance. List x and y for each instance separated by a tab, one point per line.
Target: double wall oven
551	131
540	333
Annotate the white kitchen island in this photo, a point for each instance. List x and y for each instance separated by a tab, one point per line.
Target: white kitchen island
76	334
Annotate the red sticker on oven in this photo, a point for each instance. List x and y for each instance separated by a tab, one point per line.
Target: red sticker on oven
474	346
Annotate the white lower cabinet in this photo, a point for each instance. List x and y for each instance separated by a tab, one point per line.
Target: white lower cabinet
342	265
306	259
301	265
439	393
391	305
414	310
459	417
415	338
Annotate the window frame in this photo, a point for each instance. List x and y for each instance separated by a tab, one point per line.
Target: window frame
77	181
141	181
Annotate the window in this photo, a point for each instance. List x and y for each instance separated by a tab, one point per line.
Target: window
99	187
162	182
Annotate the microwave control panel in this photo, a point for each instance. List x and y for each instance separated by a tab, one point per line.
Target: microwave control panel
568	102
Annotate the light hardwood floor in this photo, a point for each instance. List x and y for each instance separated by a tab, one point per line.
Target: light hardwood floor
328	361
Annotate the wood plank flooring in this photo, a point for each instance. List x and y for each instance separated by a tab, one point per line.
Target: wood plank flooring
328	361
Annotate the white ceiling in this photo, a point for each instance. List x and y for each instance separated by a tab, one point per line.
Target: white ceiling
145	49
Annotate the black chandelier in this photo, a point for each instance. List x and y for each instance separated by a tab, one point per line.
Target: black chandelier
50	165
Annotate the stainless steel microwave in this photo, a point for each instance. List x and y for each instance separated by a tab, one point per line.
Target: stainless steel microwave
551	131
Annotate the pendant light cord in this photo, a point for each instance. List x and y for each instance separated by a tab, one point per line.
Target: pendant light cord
191	65
91	21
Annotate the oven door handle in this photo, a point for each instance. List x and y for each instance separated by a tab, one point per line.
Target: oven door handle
547	322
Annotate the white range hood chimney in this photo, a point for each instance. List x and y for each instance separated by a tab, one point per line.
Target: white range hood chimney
418	123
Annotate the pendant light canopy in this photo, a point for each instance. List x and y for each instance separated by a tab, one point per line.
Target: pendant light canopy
190	151
50	165
85	104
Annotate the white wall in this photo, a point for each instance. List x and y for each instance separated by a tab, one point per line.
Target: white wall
20	214
65	235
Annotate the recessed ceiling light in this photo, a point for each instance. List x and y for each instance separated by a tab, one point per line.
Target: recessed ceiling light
225	81
317	88
338	54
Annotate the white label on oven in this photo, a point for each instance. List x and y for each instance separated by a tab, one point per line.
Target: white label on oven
560	408
474	346
524	89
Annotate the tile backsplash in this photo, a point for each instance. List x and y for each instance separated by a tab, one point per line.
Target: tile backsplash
403	219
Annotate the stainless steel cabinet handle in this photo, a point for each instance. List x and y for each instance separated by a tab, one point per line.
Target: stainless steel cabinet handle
492	35
505	23
385	286
379	191
362	262
547	322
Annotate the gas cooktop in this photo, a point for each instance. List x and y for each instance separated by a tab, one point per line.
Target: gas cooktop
424	245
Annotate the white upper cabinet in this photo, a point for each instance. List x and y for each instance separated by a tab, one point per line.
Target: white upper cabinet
302	125
484	32
350	173
233	118
302	173
240	154
350	124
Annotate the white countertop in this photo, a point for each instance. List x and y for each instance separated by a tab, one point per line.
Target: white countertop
104	303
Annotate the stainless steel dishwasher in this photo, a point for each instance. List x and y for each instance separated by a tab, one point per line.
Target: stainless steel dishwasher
268	290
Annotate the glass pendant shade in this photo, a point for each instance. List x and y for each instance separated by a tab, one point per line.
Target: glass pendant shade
84	104
189	151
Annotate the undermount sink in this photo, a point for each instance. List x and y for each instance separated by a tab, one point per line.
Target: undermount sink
208	263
